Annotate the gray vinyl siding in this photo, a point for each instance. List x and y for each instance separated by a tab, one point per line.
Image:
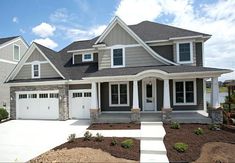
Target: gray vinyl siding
200	101
105	99
7	51
118	36
79	86
138	56
104	58
78	58
46	71
199	57
5	70
36	56
165	51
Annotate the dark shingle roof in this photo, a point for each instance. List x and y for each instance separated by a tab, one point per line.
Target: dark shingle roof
135	70
6	39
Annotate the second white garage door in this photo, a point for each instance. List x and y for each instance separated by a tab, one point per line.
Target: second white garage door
80	103
37	105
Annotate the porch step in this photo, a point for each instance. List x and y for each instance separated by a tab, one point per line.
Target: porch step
192	120
153	147
153	158
151	123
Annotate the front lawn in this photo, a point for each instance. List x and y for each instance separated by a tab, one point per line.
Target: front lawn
190	135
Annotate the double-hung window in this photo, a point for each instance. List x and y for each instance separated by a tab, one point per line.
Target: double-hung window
119	94
36	70
16	52
184	52
185	92
118	57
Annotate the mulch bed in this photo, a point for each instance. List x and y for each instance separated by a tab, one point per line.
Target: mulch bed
114	126
132	153
195	142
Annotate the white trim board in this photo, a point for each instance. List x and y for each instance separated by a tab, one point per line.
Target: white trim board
7	61
17	60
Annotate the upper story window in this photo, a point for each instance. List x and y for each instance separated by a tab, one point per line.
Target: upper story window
118	57
184	52
16	52
36	70
185	92
87	57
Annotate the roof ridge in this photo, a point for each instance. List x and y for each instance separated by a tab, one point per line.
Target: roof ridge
45	47
10	37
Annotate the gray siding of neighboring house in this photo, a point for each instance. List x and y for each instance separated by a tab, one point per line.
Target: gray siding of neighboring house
78	58
118	36
7	51
165	51
199	57
138	56
200	101
36	56
105	99
104	59
79	86
46	70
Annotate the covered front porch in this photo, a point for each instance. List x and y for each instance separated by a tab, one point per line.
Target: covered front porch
153	95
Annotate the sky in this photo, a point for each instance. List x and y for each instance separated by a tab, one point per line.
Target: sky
57	23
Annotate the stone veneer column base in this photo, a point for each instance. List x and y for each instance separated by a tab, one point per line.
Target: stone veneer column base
216	115
94	115
166	115
135	115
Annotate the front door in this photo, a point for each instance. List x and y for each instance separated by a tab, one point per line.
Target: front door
149	94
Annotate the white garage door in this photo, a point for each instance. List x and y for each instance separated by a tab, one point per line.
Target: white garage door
37	105
80	103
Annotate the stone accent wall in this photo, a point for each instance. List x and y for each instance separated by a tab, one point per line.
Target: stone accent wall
63	98
216	115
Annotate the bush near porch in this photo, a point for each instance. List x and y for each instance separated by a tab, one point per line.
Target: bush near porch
3	114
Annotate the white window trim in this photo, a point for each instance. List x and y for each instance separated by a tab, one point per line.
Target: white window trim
14	52
128	93
123	56
178	55
87	60
39	69
194	92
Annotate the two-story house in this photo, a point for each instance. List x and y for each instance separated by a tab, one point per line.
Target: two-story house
11	51
142	68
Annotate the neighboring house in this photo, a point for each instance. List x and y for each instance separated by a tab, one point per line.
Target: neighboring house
142	68
11	51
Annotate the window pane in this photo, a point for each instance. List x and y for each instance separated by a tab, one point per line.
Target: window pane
43	95
123	93
189	91
179	92
77	95
114	94
54	95
22	96
87	94
184	52
117	57
87	56
32	95
149	91
16	52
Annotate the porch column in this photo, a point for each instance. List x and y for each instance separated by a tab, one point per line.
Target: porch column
166	110
135	111
215	113
94	111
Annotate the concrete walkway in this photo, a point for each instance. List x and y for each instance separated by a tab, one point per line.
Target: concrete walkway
152	146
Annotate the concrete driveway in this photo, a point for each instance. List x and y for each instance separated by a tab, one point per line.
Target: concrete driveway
22	140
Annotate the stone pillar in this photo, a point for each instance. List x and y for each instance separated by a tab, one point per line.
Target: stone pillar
94	111
166	110
215	112
135	111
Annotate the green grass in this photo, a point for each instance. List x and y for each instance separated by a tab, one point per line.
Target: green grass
221	89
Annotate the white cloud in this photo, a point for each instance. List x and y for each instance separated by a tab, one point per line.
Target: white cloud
217	18
46	42
15	19
60	15
44	30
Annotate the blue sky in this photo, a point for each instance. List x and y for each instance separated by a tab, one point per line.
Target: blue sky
56	23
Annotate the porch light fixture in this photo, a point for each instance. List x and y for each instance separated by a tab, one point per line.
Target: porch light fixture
150	83
60	97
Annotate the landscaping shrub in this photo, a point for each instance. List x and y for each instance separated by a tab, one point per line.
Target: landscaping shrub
199	131
99	137
181	147
214	127
113	142
71	137
87	136
128	143
3	114
175	125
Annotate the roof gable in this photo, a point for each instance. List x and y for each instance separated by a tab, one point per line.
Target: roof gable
9	40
